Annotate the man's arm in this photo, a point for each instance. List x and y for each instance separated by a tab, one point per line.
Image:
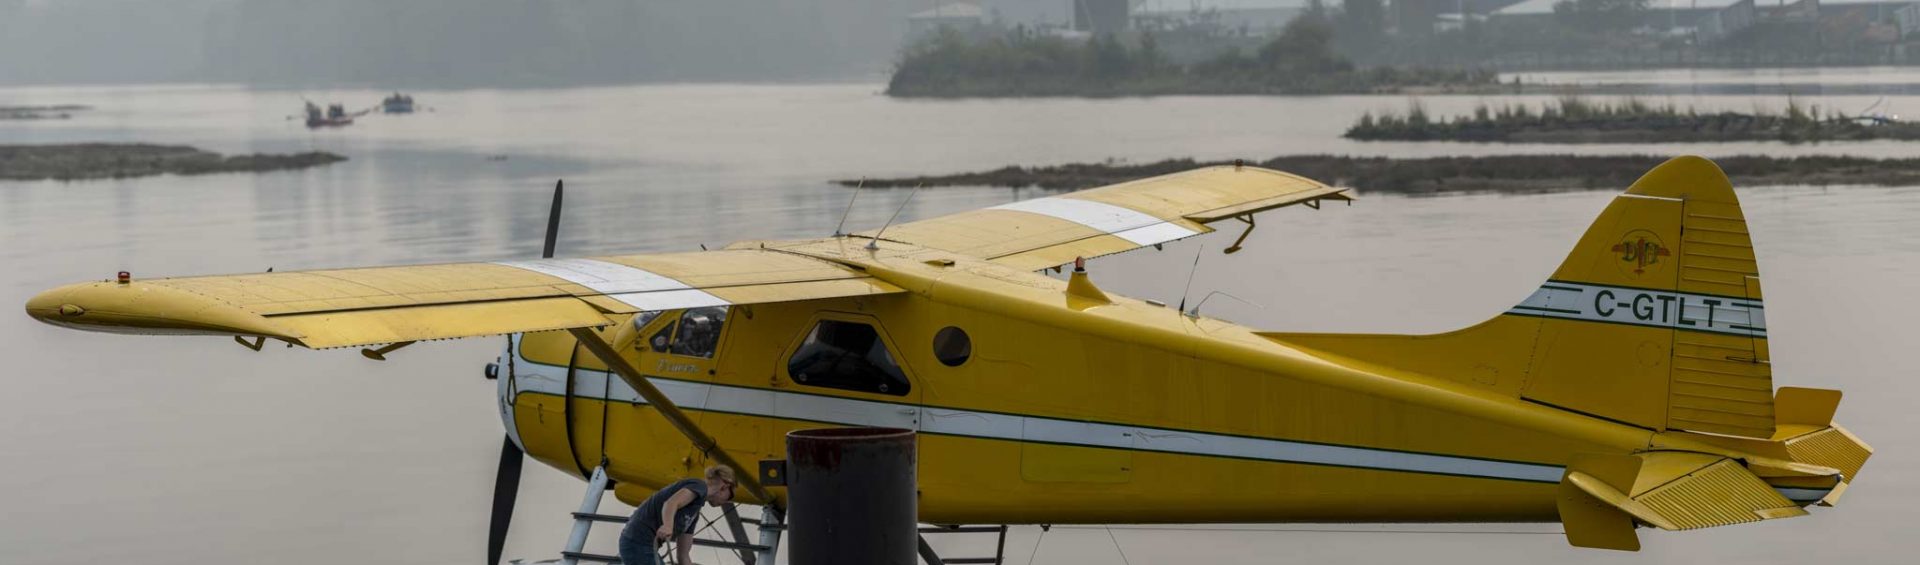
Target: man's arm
684	549
672	506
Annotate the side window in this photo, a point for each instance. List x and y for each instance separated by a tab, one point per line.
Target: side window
699	331
661	338
952	346
847	355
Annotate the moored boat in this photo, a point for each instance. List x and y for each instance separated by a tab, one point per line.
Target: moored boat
334	116
397	104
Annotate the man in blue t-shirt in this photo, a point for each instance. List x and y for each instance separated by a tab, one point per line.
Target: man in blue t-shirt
671	513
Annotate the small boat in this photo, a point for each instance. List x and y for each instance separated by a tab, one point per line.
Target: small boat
334	116
397	104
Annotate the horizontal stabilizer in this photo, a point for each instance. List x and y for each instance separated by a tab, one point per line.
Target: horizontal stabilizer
1602	496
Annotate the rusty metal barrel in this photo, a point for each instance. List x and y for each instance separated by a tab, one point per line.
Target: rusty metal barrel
851	496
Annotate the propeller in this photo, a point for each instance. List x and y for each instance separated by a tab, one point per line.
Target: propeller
506	481
506	485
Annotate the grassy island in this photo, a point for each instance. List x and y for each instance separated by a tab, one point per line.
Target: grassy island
1432	175
123	160
1021	62
1574	120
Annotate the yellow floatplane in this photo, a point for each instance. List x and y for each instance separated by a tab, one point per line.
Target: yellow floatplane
1633	388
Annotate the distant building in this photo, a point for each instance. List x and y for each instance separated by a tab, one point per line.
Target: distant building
1874	10
1789	12
1706	20
1244	17
1455	21
1101	16
1907	20
959	16
1718	24
1418	17
1865	21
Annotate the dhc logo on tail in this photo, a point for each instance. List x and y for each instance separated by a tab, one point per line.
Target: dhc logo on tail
1640	249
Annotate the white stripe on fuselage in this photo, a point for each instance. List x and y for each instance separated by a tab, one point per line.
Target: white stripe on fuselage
967	423
1137	227
636	287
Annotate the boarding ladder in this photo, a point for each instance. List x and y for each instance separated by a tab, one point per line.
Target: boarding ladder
769	525
999	551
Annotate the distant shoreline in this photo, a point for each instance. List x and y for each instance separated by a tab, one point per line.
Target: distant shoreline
1516	174
85	161
1574	120
55	112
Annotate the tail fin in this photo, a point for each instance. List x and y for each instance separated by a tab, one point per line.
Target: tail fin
1655	319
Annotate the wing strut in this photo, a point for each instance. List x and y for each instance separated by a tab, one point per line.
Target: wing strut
701	441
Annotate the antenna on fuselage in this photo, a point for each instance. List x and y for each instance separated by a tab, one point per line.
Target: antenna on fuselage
874	243
1190	273
838	229
1195	312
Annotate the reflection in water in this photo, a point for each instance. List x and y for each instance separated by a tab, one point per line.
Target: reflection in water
194	450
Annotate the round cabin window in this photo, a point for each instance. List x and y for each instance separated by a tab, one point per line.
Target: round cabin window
952	346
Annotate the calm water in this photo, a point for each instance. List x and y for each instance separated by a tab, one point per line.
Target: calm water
121	449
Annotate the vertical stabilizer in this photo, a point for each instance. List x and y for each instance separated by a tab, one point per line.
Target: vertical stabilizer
1654	319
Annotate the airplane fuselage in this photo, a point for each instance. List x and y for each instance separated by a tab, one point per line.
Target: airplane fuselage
1062	411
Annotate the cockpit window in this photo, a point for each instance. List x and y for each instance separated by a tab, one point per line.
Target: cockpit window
641	320
699	331
849	356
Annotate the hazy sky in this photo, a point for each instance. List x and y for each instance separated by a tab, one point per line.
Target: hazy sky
481	43
458	42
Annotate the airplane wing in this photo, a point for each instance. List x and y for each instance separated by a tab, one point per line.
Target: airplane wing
354	307
1051	231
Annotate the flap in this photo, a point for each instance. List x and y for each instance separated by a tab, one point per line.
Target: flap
1052	231
349	307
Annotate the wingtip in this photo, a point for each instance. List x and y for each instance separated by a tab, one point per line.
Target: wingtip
146	308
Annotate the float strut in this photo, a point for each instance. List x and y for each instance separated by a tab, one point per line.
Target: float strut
577	539
739	531
772	523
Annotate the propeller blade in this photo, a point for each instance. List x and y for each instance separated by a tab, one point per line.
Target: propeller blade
506	482
553	220
506	487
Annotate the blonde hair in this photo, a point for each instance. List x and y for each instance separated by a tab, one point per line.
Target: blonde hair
721	472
